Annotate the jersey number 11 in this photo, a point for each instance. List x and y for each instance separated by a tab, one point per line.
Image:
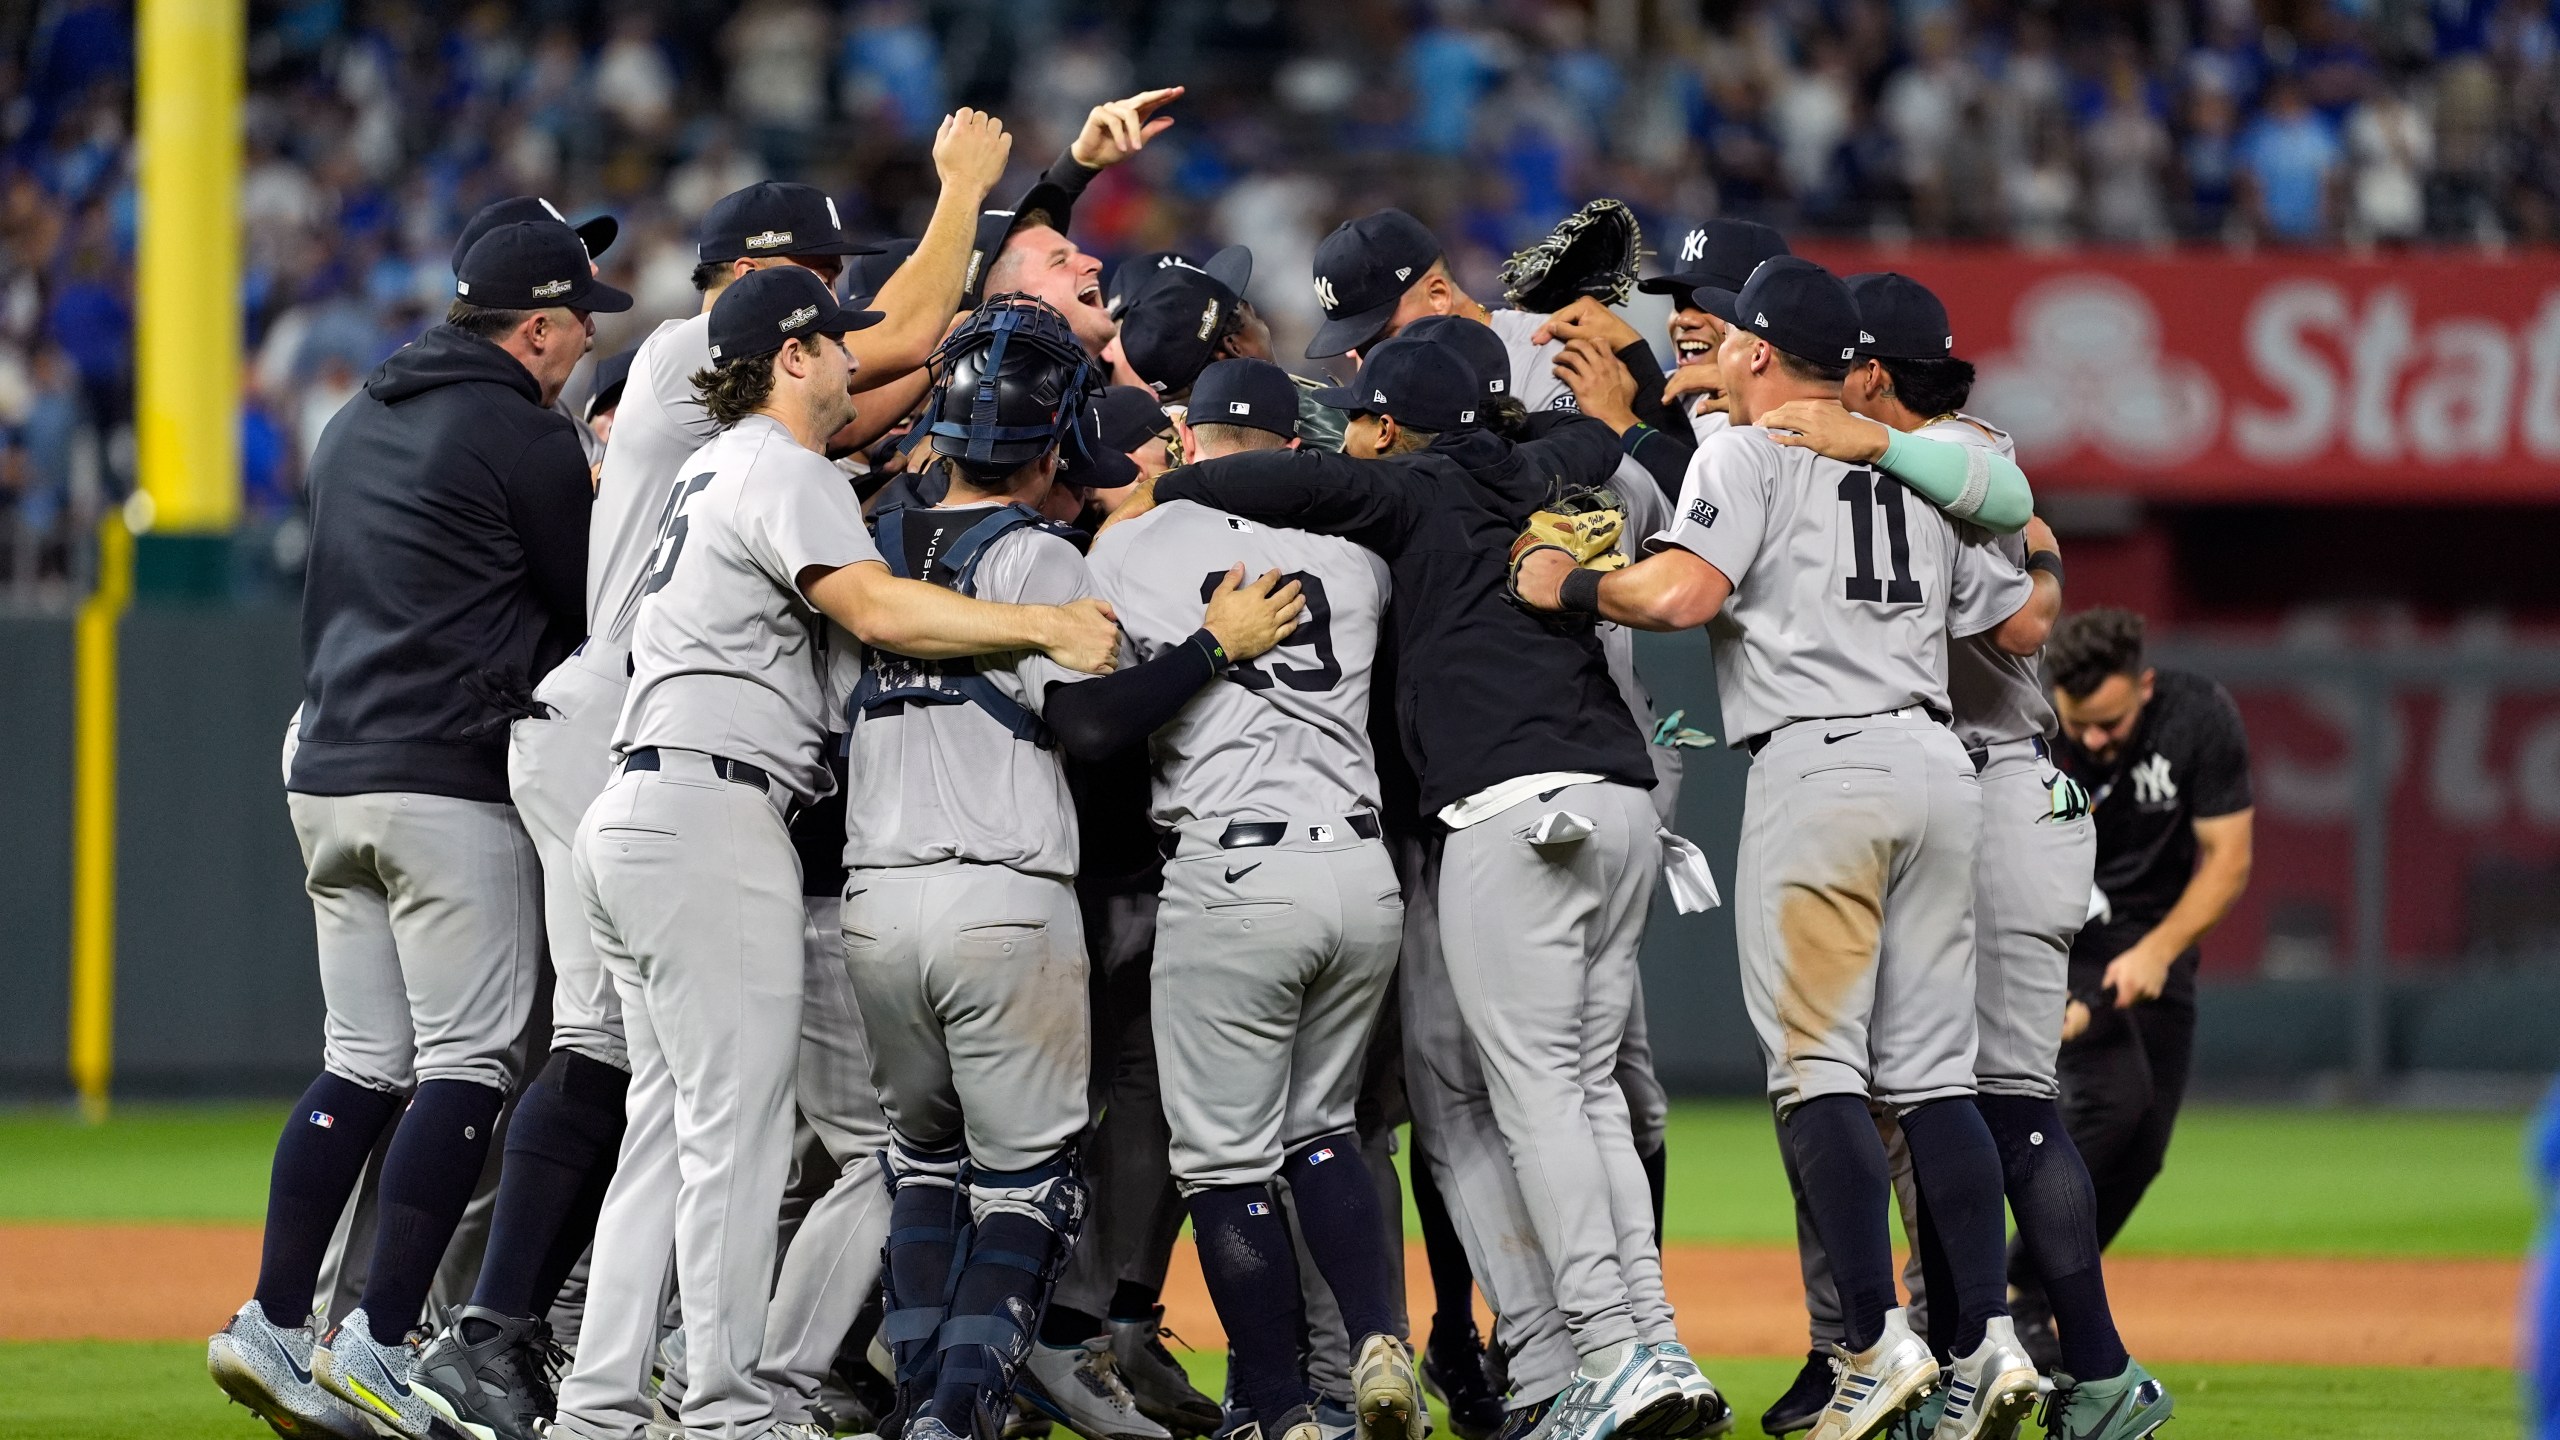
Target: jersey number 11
1867	492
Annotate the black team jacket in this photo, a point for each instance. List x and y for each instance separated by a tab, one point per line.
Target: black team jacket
1485	691
447	572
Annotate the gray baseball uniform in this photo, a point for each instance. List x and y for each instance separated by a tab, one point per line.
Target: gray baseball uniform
1271	959
2031	887
960	920
693	891
1858	834
1533	367
558	761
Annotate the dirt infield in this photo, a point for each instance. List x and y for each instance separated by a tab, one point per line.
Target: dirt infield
159	1282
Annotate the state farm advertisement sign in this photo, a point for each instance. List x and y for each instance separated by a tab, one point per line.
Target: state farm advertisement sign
2404	378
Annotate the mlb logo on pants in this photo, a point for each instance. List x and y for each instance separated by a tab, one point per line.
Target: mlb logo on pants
1257	1207
1320	1156
324	1119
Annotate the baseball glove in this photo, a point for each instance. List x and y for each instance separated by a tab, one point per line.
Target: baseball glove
1593	251
1585	524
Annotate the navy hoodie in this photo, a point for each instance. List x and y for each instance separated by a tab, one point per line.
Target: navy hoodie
447	572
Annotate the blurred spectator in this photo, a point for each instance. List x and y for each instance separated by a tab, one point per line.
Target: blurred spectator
2127	149
2390	144
777	52
2288	158
891	71
634	81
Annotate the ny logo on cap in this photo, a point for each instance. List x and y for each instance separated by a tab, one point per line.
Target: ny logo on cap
1693	246
833	221
768	239
1324	294
799	317
552	209
1239	407
547	291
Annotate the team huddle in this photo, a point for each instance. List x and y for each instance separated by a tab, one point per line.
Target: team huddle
945	770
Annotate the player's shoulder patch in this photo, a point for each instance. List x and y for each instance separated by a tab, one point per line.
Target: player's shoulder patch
1701	513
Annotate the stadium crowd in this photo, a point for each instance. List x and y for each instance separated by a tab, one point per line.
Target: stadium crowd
373	128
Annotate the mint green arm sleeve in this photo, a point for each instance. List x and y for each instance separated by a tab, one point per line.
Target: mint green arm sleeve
1966	481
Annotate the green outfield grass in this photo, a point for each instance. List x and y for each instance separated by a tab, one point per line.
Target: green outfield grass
2240	1181
155	1391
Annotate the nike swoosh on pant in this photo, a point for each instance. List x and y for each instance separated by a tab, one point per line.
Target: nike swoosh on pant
1235	875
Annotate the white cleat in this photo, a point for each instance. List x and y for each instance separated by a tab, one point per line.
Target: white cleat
1991	1390
1878	1383
1079	1386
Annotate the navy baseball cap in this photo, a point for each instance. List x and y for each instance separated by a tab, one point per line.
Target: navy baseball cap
1793	304
866	274
1045	203
1718	255
775	217
1253	393
1088	460
534	265
1133	277
595	234
611	376
766	307
1130	417
1362	269
1475	343
1899	319
1425	386
1171	330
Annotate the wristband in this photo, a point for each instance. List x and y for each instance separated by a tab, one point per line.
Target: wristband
1219	664
2049	561
1633	436
1580	592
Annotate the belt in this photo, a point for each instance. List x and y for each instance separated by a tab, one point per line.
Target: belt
1980	755
1760	742
736	772
1252	834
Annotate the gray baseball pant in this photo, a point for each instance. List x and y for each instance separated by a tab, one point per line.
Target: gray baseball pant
833	1262
1540	944
693	888
557	765
1853	910
978	972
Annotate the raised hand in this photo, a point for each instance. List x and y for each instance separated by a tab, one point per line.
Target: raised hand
970	151
1118	129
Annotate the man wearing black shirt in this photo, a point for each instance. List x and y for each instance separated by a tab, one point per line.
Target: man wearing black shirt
2166	764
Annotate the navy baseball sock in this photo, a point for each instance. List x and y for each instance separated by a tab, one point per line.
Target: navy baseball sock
1937	1286
567	1127
577	1234
319	1158
1337	1204
1252	1271
1959	1173
427	1179
1134	1300
1657	1182
1841	1162
1064	1325
2057	1211
1010	1259
1453	1284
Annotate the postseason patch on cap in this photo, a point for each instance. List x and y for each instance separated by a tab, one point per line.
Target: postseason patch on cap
771	239
1208	320
551	288
799	317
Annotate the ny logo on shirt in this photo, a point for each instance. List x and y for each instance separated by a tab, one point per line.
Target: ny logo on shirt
2151	782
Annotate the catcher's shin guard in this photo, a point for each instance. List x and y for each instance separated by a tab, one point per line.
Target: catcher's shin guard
921	1264
1023	1223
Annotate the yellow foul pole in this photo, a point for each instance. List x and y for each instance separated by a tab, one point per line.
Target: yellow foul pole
189	58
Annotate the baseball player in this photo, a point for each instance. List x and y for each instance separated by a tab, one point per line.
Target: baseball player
1525	755
2038	851
1177	318
960	924
1383	271
448	540
569	1128
691	881
1279	924
1854	893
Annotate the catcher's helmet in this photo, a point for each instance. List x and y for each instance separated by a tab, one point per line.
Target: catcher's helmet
1008	385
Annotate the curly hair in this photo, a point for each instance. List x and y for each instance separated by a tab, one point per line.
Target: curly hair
734	389
2088	647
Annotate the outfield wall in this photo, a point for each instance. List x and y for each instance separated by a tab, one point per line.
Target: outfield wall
216	991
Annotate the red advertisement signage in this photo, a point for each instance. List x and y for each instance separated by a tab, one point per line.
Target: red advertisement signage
2273	377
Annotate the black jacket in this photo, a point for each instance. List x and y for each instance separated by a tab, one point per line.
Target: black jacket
447	574
1484	691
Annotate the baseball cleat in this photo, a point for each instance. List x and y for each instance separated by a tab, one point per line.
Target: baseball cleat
1453	1372
1802	1404
1156	1380
1991	1389
1522	1421
494	1388
1638	1396
799	1430
1079	1386
1878	1383
378	1380
267	1367
1709	1414
2128	1407
1385	1392
1916	1422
